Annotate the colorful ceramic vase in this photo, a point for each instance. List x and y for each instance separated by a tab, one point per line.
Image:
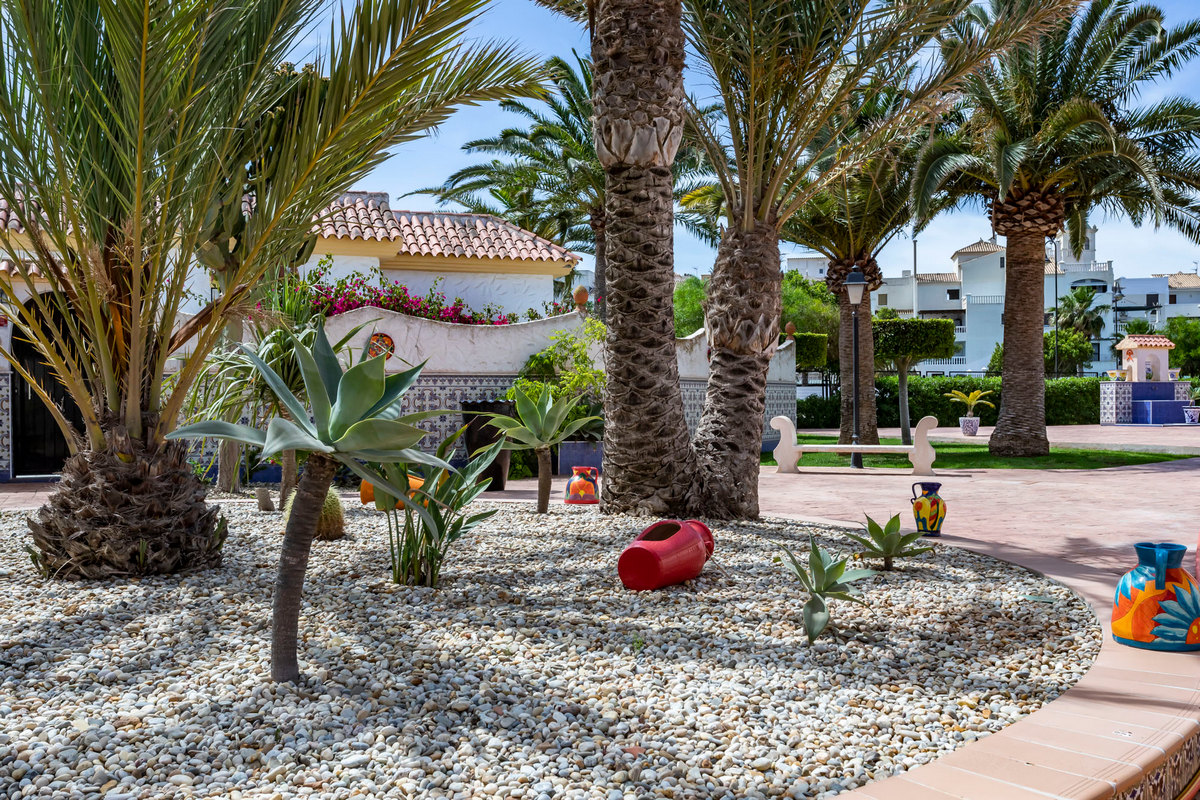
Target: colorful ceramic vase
929	509
1157	603
584	486
668	552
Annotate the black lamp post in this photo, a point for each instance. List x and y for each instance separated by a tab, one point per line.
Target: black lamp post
855	284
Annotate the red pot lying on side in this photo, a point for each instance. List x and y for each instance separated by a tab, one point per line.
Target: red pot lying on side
668	552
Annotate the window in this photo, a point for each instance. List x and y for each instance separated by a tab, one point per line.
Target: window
1171	299
883	299
1001	262
1095	351
1152	299
952	294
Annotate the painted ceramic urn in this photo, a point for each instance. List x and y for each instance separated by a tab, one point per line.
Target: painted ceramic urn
1157	603
929	509
668	552
584	486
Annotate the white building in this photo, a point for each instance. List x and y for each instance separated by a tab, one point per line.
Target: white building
972	295
812	267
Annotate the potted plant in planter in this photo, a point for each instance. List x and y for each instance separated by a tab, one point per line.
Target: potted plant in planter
1191	414
969	425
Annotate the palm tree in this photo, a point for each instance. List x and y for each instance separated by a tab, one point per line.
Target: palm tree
117	162
1052	132
787	89
1076	312
547	178
849	221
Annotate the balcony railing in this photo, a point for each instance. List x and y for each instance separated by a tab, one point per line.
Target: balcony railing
985	299
960	330
957	361
1091	266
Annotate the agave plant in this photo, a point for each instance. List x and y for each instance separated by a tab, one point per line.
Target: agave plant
971	400
824	579
886	541
355	418
541	424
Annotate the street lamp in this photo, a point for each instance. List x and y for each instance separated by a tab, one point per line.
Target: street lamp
855	284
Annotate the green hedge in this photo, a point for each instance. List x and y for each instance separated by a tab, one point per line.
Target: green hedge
1069	401
913	339
811	350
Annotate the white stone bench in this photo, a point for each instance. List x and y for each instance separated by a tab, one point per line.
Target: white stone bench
920	452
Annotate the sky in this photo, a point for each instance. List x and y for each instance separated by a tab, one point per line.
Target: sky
1136	252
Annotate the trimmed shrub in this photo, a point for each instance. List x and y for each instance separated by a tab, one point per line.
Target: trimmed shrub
913	340
1069	401
811	350
818	412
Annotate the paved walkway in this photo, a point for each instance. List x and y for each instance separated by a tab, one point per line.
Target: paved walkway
1178	439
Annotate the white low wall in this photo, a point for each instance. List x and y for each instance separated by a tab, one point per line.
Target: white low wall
448	348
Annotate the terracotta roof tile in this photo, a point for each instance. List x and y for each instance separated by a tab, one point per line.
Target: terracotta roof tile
937	277
1181	280
982	247
1050	270
367	215
12	269
1152	340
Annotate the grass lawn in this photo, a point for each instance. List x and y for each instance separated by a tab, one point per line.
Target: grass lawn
976	456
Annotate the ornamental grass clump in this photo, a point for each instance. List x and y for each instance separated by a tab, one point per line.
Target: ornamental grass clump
824	579
418	544
887	542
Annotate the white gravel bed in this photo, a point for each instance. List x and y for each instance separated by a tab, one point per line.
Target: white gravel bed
529	673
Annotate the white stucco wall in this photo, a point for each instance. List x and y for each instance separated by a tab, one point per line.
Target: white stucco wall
691	354
448	348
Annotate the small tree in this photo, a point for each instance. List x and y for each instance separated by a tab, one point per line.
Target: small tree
1185	333
901	344
1074	351
689	306
812	350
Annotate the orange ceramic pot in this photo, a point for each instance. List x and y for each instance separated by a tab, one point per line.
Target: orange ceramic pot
584	486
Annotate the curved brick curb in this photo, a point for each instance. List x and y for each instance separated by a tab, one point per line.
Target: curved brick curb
1130	729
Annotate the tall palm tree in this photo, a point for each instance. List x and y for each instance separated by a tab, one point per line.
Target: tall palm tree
547	177
787	88
849	222
1053	132
1077	311
121	143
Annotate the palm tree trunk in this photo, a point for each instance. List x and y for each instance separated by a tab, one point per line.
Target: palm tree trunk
868	423
598	232
544	475
902	381
742	311
1021	426
289	473
293	564
110	516
637	54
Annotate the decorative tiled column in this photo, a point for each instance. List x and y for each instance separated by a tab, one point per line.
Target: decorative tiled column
1116	403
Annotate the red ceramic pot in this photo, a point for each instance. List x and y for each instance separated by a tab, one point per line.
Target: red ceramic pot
668	552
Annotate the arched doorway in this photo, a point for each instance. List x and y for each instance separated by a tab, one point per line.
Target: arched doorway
39	448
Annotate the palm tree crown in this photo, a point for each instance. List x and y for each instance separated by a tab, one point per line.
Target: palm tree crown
1077	312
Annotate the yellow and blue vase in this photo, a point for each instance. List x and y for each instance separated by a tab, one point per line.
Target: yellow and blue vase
929	509
1157	603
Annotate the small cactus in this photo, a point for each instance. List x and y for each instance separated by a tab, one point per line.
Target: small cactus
331	524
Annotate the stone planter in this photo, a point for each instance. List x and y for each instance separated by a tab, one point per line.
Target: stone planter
1191	415
968	425
579	454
